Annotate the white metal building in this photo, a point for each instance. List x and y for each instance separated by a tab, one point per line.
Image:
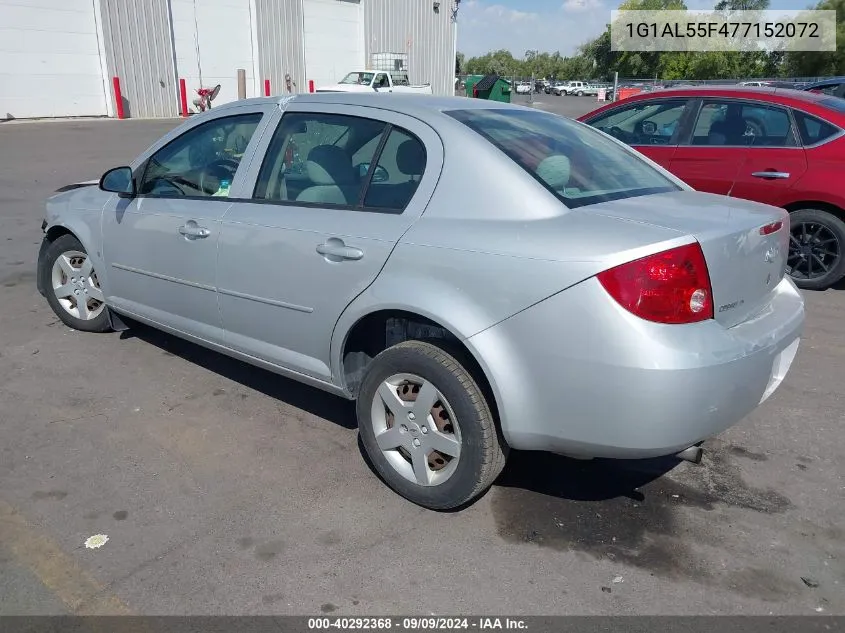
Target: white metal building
59	57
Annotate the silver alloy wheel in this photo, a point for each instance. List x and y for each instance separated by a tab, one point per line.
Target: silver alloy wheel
416	429
76	286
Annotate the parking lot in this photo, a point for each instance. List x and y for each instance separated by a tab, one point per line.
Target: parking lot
225	489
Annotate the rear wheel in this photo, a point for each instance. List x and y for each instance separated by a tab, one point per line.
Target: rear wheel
72	286
580	93
427	427
816	260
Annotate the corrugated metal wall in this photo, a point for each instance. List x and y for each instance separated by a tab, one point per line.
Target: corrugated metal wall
139	50
281	46
413	27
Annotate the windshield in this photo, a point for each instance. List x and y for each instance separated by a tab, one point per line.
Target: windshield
573	161
358	78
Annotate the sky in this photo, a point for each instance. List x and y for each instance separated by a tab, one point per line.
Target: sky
546	25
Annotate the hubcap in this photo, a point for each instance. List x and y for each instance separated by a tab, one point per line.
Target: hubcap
416	429
76	286
813	251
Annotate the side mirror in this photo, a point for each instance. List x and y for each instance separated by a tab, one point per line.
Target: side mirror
120	181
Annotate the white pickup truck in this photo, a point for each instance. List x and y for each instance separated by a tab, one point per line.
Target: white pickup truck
376	80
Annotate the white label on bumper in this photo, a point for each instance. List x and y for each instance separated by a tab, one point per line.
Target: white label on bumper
780	367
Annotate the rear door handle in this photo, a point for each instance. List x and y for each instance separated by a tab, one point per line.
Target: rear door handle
771	175
334	249
192	230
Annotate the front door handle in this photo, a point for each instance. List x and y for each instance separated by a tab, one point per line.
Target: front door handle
771	175
191	230
334	249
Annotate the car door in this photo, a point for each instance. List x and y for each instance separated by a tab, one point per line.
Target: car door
316	233
160	247
741	148
381	83
651	126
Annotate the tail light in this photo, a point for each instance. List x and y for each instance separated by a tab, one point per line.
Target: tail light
668	287
774	227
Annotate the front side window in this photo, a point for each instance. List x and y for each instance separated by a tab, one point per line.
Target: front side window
732	123
643	123
570	159
203	161
358	78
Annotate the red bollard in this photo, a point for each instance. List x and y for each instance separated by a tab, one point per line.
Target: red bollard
266	87
118	98
310	85
183	97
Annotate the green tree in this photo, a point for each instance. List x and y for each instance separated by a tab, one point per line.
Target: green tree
742	5
810	64
460	60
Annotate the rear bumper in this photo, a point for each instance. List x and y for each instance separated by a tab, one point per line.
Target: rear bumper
578	375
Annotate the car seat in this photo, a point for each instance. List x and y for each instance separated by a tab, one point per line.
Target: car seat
334	179
730	131
555	171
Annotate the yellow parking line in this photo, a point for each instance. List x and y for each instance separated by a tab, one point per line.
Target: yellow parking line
56	570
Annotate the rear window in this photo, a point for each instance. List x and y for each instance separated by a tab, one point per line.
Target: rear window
576	163
813	130
833	103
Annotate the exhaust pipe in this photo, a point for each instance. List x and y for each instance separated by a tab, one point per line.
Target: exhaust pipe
692	454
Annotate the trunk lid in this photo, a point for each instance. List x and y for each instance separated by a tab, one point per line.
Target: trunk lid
745	264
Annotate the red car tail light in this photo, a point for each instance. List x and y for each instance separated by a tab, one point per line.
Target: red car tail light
774	227
668	287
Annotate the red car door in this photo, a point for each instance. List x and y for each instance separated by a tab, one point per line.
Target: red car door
743	149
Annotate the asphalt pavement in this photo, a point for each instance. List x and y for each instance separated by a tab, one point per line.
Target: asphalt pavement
224	489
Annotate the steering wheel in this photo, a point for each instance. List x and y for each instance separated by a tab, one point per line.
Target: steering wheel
221	169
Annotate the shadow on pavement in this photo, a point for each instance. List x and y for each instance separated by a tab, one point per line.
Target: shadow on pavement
310	399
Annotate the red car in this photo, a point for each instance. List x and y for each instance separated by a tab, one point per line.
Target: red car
782	147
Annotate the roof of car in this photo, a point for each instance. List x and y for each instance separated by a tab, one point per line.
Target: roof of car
420	105
767	93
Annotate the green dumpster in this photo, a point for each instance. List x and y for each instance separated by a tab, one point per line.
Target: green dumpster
491	87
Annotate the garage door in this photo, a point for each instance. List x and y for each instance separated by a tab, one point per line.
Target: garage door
334	39
49	59
213	39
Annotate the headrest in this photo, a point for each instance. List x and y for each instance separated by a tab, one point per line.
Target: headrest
732	127
554	170
410	158
330	165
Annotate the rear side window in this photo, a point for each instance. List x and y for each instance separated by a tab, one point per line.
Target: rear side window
572	160
398	172
731	123
332	160
813	130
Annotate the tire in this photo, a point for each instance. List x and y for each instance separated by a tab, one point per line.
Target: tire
823	235
481	454
55	279
580	93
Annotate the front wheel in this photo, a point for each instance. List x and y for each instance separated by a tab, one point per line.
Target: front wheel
427	427
817	238
72	286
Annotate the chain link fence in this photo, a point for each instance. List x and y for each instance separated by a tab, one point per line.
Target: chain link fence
647	84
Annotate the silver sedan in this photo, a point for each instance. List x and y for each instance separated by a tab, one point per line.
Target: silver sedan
478	276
